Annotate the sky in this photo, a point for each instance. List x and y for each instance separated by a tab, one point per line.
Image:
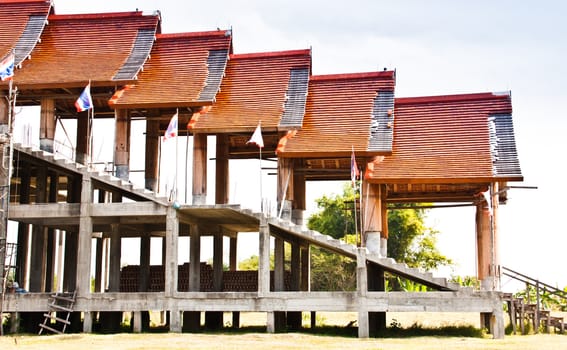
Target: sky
436	48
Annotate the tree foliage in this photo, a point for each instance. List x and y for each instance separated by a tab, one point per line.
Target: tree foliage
409	240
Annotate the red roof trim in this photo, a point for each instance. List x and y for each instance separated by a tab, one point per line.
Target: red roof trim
212	33
23	1
383	74
88	16
305	52
453	98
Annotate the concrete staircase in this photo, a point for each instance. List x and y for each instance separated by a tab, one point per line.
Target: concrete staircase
349	250
137	193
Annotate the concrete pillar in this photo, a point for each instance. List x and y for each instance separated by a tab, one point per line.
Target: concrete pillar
23	232
305	283
214	319
362	290
145	252
279	284
85	240
171	239
38	257
294	317
192	319
137	322
122	144
270	322
151	169
98	267
88	322
47	124
264	259
376	283
199	169
233	262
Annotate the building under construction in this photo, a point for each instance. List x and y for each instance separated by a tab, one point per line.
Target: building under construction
68	216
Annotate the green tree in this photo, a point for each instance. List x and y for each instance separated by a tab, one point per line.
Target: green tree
409	240
336	217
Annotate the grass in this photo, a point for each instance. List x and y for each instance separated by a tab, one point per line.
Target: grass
405	331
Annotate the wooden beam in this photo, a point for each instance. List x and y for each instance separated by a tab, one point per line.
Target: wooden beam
222	170
122	144
47	124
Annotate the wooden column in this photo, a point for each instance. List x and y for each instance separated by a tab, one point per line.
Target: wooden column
122	144
151	169
47	124
82	151
199	169
222	170
285	183
4	108
385	232
483	242
372	228
298	205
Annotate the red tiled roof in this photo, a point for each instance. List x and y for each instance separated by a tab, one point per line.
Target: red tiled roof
253	90
338	115
177	71
14	16
77	48
441	138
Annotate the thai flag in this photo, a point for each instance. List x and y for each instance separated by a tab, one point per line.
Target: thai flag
354	172
85	101
7	67
171	131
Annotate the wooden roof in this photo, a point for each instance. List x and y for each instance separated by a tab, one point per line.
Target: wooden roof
184	70
442	139
105	48
254	89
22	22
343	112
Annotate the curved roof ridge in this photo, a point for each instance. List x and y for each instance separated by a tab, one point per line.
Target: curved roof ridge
453	97
389	74
300	52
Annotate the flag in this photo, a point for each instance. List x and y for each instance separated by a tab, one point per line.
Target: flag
85	100
7	67
354	172
257	137
171	131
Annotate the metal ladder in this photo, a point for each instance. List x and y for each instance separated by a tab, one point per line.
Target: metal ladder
58	303
7	254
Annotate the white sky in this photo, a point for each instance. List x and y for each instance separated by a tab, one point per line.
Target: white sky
436	47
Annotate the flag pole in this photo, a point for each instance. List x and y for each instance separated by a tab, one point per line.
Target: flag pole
176	155
260	168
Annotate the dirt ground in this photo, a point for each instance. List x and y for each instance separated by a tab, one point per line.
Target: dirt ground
156	341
